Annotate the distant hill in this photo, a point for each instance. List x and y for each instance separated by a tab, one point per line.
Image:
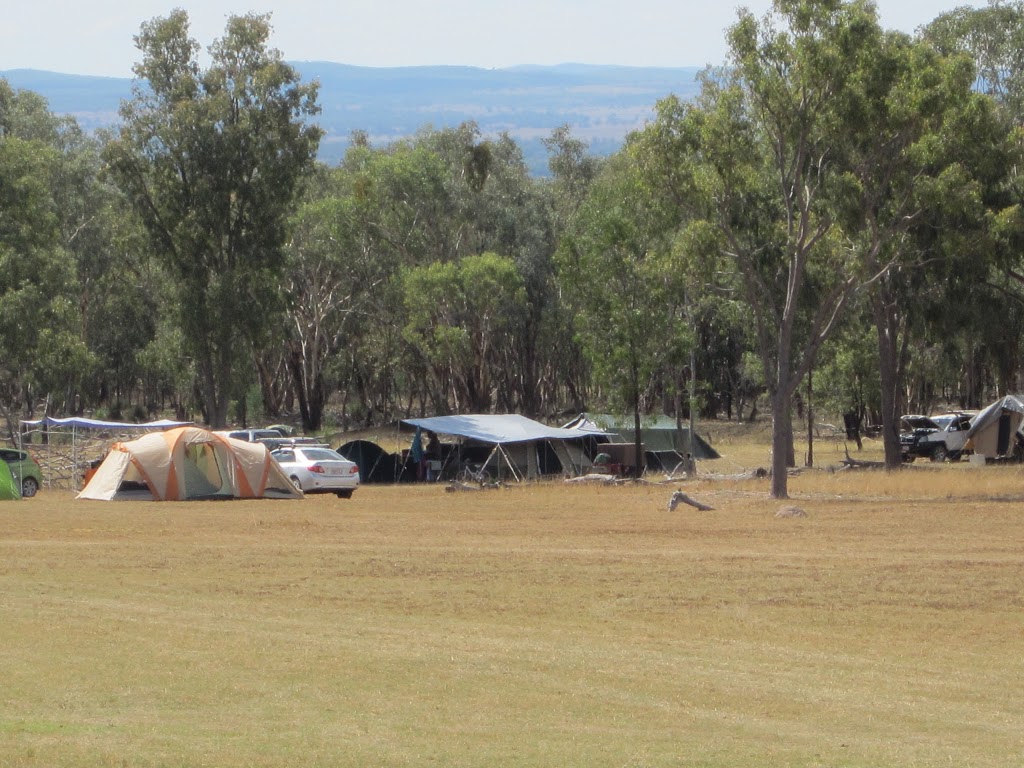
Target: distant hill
601	103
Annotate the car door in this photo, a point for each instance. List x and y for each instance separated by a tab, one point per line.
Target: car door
956	437
13	459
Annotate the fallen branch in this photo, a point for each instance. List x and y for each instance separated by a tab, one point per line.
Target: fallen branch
754	474
679	497
455	485
595	479
860	463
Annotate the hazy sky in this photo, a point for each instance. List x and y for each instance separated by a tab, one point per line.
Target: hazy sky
95	37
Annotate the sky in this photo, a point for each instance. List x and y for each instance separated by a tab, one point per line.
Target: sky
96	37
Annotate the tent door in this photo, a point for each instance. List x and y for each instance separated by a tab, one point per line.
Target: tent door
1005	427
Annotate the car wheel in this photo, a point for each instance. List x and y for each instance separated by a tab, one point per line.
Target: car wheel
295	482
940	453
29	486
344	494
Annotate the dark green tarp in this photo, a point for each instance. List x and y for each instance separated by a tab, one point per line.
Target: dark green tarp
659	435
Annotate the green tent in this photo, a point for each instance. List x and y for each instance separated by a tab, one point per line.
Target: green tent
8	488
664	442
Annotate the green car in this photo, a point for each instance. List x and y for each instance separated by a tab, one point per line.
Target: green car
25	470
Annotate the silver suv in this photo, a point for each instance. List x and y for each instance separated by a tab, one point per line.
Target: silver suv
251	435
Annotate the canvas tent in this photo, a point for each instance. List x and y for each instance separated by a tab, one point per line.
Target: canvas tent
509	445
8	487
665	444
993	432
188	463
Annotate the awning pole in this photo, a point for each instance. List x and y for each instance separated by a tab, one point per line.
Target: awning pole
495	449
511	466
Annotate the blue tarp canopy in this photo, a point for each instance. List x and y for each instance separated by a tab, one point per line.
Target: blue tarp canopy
80	423
526	447
496	429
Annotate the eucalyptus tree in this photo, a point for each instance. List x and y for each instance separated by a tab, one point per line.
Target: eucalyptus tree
334	284
496	206
512	216
462	319
89	216
917	189
617	270
755	162
437	198
574	168
43	349
994	38
212	161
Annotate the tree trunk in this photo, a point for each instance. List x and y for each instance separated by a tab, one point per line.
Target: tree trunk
782	442
295	367
214	397
638	442
810	419
781	393
888	356
271	377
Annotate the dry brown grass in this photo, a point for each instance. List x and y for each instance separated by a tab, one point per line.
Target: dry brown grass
533	626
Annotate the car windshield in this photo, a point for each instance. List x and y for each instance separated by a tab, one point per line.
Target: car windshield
321	454
942	421
919	422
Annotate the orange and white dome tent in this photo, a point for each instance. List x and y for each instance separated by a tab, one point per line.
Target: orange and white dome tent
188	463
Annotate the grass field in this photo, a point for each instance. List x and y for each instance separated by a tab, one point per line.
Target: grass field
543	625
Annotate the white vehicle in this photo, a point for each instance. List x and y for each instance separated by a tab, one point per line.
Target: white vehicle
318	469
936	437
250	435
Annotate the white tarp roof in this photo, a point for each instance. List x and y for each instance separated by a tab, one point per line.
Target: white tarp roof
992	412
496	428
79	423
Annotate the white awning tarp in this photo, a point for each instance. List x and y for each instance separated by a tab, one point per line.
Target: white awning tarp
498	429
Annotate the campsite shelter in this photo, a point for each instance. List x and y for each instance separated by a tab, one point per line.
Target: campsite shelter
8	487
665	442
508	445
993	432
188	463
377	465
72	444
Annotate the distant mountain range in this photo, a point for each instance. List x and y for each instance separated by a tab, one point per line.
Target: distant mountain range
602	104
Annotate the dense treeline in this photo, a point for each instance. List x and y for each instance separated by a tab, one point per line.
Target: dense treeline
833	221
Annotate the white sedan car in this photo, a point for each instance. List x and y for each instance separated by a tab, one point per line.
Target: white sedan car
318	469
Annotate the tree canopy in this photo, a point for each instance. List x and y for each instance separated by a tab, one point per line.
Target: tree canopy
839	199
212	161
